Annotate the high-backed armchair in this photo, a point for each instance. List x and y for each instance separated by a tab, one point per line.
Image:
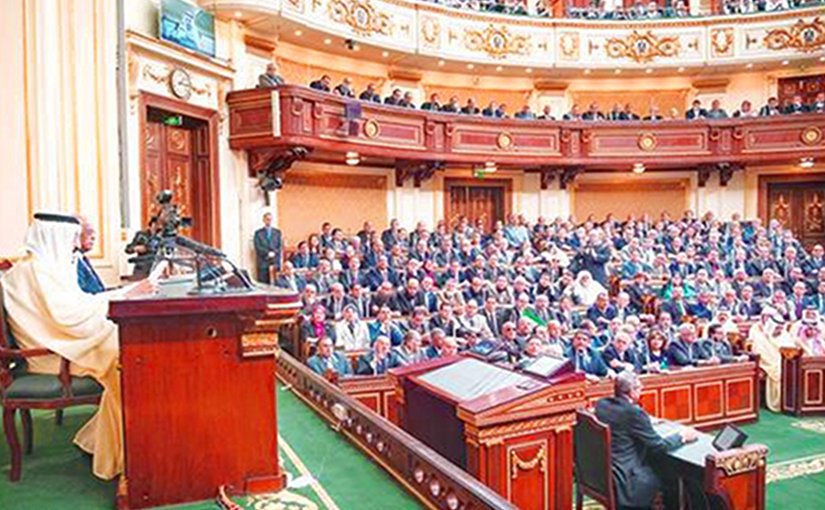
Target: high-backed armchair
592	463
23	391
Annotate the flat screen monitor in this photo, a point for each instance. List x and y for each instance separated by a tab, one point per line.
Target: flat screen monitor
729	437
188	25
546	366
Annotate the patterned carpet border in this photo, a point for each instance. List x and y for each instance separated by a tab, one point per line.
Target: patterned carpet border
795	468
817	426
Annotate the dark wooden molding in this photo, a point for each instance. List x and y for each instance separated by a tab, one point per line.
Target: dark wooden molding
419	171
568	175
275	161
726	171
704	171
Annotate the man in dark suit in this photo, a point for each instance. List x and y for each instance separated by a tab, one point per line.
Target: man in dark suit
433	104
696	111
585	358
87	277
270	78
267	249
394	98
379	359
359	298
634	443
771	108
345	88
369	94
289	280
327	361
796	106
323	84
620	354
685	351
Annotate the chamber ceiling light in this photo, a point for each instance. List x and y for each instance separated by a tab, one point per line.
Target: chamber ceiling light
786	62
385	54
470	66
238	14
648	71
587	71
638	168
617	71
498	69
440	63
822	58
806	163
681	70
327	41
528	70
749	65
298	33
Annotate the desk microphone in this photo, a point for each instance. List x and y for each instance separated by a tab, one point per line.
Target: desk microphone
198	247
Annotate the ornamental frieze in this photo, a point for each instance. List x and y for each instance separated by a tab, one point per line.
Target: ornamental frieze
496	42
361	16
804	36
643	47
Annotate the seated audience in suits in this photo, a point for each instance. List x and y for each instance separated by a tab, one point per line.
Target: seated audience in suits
634	443
352	333
406	101
289	280
385	326
470	108
770	108
410	352
593	113
335	302
344	88
818	106
394	98
410	297
585	358
326	360
87	277
370	94
270	78
547	113
685	350
303	258
525	113
655	357
620	354
452	106
362	301
796	106
716	111
324	83
380	359
433	104
745	110
717	347
696	111
436	347
601	312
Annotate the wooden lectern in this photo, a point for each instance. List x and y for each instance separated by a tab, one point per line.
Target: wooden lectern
511	431
198	389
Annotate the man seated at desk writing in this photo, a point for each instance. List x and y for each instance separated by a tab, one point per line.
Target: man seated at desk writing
634	444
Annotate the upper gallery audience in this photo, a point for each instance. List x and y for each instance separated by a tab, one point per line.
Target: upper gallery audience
639	295
618	113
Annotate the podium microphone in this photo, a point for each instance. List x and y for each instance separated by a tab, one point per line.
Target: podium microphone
197	247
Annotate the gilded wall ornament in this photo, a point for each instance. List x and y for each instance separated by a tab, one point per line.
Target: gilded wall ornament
642	47
371	128
497	42
804	36
430	30
569	45
647	142
721	40
361	16
504	140
811	135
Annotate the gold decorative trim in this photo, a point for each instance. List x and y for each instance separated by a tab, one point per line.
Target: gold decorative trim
497	435
496	42
504	140
647	142
804	36
742	462
361	17
371	128
811	135
569	45
643	47
518	464
430	30
721	40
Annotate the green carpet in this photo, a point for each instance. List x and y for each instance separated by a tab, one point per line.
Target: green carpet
58	476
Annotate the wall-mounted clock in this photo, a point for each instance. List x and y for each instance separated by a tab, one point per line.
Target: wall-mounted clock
180	82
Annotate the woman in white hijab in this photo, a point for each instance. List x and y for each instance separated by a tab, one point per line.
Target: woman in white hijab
585	290
47	309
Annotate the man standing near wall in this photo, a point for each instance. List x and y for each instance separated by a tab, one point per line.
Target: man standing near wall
267	249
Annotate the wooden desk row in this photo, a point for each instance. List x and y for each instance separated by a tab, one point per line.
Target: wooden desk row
803	382
704	397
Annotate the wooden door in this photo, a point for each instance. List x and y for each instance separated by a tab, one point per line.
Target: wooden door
177	158
485	200
805	86
799	206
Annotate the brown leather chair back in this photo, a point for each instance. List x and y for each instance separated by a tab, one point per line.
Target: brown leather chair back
592	460
6	339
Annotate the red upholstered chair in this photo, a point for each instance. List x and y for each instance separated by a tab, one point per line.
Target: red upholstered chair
592	464
23	391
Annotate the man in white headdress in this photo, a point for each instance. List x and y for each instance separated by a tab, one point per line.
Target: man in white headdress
47	309
768	335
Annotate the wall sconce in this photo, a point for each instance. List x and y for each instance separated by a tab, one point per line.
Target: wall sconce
638	168
352	158
806	163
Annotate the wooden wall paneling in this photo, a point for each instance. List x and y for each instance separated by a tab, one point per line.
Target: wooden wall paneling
489	199
627	197
805	86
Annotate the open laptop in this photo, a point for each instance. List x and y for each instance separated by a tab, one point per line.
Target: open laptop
729	437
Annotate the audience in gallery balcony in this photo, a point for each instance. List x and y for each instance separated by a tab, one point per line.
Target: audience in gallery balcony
643	294
398	98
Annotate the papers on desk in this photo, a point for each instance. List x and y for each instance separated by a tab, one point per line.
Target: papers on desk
693	453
